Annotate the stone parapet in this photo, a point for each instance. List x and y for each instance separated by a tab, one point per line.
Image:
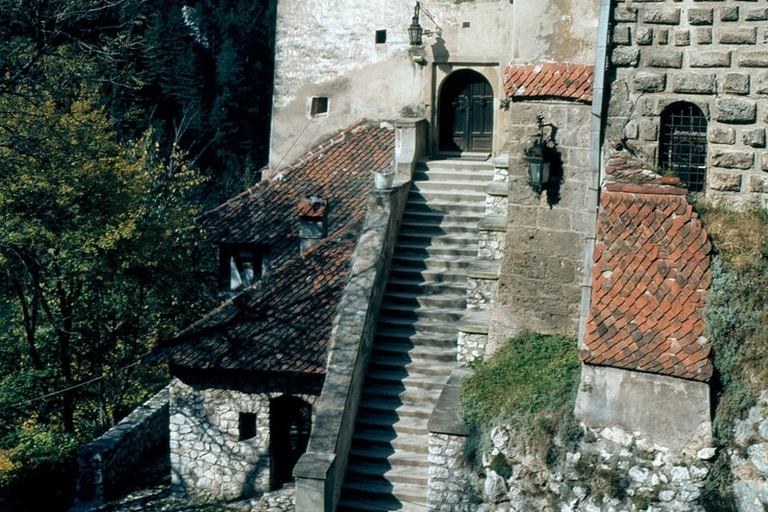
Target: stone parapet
105	463
320	471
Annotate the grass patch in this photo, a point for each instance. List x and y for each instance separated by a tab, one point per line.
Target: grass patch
530	385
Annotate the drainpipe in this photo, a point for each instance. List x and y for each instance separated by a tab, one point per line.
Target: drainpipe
595	160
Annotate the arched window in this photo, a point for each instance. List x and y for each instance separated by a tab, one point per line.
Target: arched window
683	148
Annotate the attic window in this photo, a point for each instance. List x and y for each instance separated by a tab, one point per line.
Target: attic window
247	425
241	265
319	106
381	36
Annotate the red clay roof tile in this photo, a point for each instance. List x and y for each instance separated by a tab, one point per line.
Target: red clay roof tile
652	269
566	81
283	323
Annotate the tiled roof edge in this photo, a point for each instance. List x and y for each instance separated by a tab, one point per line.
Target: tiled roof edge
569	81
308	156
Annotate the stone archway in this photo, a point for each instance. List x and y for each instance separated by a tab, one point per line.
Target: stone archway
466	113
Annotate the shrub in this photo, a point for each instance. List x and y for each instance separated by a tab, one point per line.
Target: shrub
736	316
530	385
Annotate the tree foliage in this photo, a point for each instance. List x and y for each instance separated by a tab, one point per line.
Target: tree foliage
105	107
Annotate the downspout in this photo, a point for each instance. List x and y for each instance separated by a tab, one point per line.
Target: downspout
595	160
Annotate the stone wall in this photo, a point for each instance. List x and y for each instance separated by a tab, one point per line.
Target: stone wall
209	461
540	281
711	54
105	464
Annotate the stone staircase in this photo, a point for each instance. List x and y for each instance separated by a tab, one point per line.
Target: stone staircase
415	347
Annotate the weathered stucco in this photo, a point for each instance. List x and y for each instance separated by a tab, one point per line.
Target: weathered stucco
673	413
328	49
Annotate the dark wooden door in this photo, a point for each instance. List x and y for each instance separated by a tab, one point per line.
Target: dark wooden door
466	113
290	426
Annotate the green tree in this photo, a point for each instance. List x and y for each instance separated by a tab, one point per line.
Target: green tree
99	257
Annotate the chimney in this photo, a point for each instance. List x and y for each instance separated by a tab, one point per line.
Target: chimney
313	226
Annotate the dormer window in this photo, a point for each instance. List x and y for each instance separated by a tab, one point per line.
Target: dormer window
241	265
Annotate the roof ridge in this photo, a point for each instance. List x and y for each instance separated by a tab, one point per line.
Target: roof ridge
306	157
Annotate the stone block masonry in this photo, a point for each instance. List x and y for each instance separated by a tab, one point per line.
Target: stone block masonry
543	247
710	54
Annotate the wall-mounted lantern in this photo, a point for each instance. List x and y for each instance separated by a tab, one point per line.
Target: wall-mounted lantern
415	31
539	164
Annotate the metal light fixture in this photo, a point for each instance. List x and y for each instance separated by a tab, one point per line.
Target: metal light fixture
538	165
415	31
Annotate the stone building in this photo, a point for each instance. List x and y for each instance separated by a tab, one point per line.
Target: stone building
288	376
246	376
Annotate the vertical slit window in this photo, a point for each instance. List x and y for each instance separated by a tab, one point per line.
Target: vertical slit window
683	144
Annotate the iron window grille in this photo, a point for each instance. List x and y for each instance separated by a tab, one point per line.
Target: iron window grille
683	148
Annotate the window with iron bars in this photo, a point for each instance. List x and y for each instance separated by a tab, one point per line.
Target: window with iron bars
683	144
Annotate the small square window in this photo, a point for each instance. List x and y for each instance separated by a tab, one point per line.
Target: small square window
247	425
319	106
466	24
381	36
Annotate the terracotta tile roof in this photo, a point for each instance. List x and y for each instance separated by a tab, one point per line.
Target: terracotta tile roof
284	321
552	80
649	283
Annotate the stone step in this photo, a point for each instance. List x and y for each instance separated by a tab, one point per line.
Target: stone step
455	197
418	326
395	285
387	383
483	167
408	366
440	217
450	185
428	275
389	377
428	340
413	236
394	458
404	350
373	420
389	410
438	229
381	497
402	311
370	472
373	439
426	249
418	203
454	301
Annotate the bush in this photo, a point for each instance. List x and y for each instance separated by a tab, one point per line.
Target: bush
737	320
530	385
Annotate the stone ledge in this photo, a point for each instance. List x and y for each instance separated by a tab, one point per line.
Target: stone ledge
445	418
501	161
476	322
484	269
497	189
493	223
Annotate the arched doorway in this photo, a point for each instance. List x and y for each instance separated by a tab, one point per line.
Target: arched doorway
290	423
466	113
